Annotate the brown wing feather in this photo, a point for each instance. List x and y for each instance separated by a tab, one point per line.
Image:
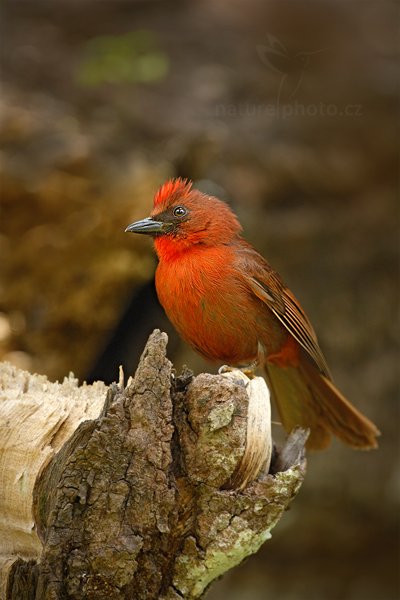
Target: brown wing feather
269	287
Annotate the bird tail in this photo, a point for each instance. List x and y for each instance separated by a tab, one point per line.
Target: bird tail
308	399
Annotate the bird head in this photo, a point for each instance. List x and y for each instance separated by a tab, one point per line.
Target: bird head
183	217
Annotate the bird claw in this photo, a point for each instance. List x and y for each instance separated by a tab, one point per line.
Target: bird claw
248	370
225	369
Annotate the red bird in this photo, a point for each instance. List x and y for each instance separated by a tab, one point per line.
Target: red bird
229	304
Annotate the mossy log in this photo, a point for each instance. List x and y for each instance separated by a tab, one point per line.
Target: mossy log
149	491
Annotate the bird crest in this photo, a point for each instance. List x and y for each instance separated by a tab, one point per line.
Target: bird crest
172	190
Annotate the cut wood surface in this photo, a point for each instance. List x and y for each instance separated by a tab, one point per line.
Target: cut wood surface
149	491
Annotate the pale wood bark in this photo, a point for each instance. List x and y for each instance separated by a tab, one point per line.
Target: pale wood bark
144	492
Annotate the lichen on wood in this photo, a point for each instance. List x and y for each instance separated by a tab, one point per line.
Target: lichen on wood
137	501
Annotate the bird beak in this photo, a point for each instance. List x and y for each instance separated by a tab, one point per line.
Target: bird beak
148	226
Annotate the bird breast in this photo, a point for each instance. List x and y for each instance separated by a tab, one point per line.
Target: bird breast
208	303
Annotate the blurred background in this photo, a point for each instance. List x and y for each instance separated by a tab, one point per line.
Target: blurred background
288	110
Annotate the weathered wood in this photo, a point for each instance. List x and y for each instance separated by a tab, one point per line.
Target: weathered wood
36	419
134	502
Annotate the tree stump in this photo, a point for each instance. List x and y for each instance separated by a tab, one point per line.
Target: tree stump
143	492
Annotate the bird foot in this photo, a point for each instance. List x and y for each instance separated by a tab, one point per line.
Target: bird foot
248	370
225	369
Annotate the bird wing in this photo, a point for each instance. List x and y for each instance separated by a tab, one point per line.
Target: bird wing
267	285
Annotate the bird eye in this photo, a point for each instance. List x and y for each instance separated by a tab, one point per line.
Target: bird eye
180	211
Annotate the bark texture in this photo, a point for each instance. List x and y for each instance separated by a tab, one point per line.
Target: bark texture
138	502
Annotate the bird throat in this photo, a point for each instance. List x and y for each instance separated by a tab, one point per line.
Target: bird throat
171	248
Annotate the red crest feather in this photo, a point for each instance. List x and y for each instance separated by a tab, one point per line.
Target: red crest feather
172	190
